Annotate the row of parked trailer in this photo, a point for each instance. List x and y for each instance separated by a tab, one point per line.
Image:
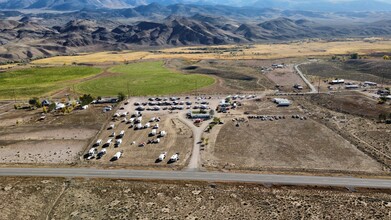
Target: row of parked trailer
266	117
275	117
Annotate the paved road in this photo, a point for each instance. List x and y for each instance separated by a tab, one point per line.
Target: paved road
197	176
312	87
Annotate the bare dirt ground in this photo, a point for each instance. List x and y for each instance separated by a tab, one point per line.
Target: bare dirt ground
178	140
352	103
50	198
285	144
365	133
59	139
286	78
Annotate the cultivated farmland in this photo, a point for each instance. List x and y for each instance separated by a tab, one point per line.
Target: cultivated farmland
26	83
145	78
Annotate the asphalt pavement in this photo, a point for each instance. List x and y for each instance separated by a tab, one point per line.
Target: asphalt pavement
198	176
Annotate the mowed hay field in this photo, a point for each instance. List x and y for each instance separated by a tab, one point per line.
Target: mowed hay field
145	78
258	51
25	83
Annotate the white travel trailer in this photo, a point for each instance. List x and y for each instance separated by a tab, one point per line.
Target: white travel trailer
139	119
153	132
163	134
102	153
162	156
108	143
98	142
174	158
117	156
92	151
147	125
139	126
156	126
121	134
118	143
111	127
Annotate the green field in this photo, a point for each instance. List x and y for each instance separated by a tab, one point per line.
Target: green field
26	83
147	78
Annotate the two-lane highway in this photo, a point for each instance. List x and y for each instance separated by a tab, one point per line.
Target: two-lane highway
198	176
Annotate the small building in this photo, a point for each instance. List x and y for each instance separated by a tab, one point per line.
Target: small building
194	115
282	102
337	81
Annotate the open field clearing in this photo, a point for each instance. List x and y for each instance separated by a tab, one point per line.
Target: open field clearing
120	199
178	140
360	127
233	75
59	139
288	144
145	78
258	51
26	83
352	103
376	70
284	144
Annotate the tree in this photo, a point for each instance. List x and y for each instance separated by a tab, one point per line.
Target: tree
86	99
52	107
35	102
354	56
386	57
121	97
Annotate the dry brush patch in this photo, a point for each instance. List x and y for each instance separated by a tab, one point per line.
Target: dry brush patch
30	198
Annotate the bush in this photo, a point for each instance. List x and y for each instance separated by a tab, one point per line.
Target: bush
354	56
121	97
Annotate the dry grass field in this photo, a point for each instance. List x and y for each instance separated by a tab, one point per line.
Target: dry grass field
56	198
230	52
360	126
285	144
178	140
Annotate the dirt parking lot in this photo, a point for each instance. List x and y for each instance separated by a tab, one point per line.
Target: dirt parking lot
50	198
178	140
284	144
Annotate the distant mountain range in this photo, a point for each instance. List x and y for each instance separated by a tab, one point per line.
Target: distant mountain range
319	5
96	25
